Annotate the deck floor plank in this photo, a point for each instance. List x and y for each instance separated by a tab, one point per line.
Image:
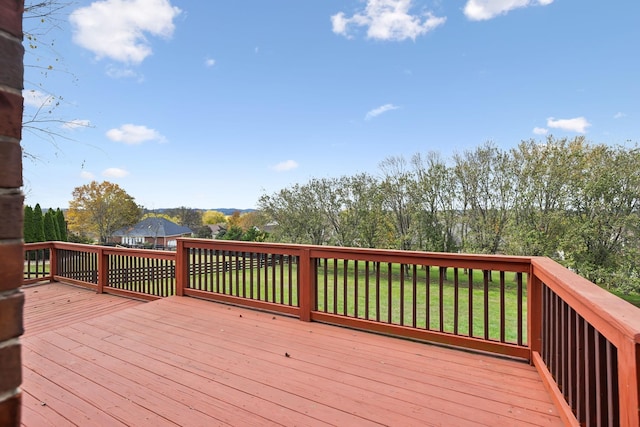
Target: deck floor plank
54	305
498	373
105	360
441	393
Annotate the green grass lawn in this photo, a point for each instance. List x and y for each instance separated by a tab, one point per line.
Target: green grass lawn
389	299
443	308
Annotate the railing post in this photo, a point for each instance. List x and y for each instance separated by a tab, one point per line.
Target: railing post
628	383
182	265
103	270
53	262
307	291
534	312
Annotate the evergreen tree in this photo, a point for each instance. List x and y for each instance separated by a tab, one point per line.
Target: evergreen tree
62	225
28	230
38	224
49	227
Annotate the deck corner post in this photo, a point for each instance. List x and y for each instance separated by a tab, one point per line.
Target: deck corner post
534	312
629	383
307	293
103	270
53	262
182	263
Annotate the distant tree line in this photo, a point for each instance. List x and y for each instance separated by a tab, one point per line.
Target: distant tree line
567	199
39	227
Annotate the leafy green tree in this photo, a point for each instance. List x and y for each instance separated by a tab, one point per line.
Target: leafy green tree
214	217
203	232
603	214
432	227
364	213
298	215
101	208
187	217
398	198
542	196
332	195
486	178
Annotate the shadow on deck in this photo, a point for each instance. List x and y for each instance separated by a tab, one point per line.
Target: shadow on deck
96	359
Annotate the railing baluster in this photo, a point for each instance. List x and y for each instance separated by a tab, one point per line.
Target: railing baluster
345	287
389	292
441	279
402	267
456	300
486	274
366	290
377	291
335	286
503	317
415	302
356	285
470	286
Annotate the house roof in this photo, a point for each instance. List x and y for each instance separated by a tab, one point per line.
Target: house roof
153	227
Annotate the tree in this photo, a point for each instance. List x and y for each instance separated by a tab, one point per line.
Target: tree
252	219
298	215
486	178
101	209
62	225
543	187
233	233
50	231
41	19
187	217
38	224
29	233
203	232
602	239
398	199
214	217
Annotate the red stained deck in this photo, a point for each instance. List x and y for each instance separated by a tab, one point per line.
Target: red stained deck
91	359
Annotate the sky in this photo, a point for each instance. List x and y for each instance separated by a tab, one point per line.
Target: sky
212	104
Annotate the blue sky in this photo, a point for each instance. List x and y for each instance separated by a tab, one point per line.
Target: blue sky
210	104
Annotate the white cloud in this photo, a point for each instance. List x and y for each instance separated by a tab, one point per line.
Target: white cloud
77	123
578	124
209	62
480	10
387	20
540	131
619	115
123	73
134	134
87	175
382	109
35	98
114	173
287	165
118	29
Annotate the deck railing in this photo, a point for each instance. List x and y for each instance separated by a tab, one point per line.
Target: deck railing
584	341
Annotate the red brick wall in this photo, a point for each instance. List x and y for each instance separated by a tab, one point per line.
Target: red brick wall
11	200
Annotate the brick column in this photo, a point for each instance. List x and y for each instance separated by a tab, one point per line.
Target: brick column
11	202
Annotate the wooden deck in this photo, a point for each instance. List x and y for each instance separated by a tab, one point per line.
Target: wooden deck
101	360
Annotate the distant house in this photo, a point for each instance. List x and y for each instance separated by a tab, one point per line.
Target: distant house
216	229
153	232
